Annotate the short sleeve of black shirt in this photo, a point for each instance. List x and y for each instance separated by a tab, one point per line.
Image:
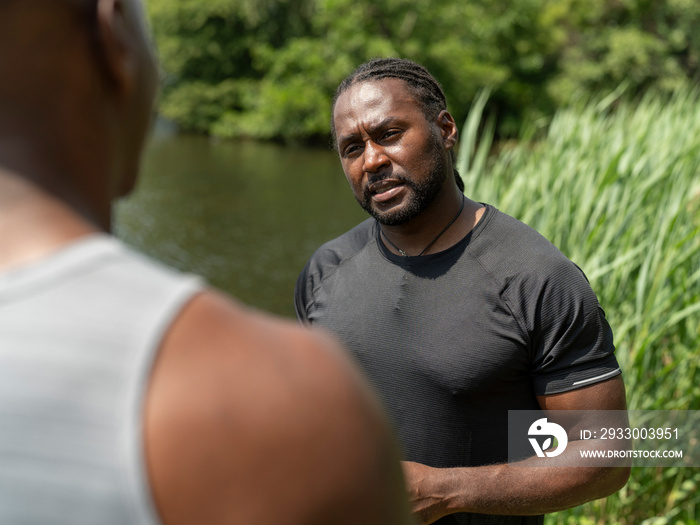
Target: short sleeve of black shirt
564	326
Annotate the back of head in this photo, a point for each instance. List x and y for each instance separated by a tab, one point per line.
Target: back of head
79	81
38	41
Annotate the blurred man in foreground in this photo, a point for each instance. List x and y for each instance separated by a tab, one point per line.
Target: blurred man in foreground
130	393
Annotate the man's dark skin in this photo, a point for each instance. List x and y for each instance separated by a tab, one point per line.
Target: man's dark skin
247	419
385	139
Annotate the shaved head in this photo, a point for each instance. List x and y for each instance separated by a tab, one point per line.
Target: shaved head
78	99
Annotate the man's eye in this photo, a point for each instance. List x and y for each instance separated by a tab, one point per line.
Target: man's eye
390	133
351	150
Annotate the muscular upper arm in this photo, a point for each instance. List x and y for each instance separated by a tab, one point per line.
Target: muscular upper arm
606	395
252	420
579	409
596	406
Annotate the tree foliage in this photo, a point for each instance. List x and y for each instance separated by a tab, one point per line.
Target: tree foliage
268	68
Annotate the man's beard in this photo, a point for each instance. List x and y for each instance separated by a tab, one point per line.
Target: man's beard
423	193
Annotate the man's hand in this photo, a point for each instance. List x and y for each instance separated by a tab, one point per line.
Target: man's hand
527	488
426	488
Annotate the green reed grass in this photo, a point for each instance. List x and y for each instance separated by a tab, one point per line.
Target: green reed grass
618	191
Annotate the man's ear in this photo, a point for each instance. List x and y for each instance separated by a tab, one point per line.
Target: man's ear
448	129
116	45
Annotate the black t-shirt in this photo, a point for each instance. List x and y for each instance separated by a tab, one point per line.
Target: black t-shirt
453	340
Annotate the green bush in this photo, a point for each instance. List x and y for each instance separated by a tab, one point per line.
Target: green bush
535	55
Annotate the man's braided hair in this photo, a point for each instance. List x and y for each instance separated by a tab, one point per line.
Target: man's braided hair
426	89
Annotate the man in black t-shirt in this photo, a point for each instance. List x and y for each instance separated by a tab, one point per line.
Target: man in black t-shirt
456	312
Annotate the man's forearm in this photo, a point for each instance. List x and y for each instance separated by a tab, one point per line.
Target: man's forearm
523	488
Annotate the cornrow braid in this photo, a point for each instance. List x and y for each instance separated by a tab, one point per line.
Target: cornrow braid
426	89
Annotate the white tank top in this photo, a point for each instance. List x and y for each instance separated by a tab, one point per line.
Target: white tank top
79	331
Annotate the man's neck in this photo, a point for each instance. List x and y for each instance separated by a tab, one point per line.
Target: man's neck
34	224
442	225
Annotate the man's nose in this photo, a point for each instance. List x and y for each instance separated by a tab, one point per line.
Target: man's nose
374	157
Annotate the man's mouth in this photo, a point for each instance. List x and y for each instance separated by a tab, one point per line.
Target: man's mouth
386	190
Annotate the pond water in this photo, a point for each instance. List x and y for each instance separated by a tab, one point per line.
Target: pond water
245	215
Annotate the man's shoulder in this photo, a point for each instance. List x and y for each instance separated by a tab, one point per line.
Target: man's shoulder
328	260
334	253
528	269
227	374
505	232
93	266
139	276
510	247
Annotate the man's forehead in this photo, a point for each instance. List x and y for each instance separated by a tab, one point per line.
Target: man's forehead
373	92
375	100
